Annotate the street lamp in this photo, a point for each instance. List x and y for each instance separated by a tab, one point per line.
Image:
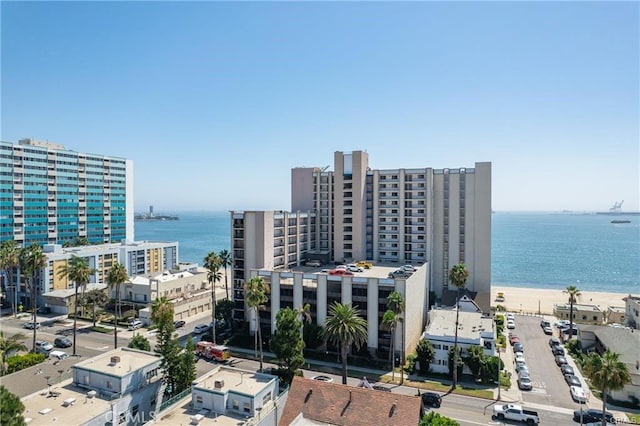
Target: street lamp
499	362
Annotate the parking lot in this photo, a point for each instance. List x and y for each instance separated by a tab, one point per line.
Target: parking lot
549	386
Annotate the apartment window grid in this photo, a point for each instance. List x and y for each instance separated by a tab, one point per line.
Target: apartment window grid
445	244
462	216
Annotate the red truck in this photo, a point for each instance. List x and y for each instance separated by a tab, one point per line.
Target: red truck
210	350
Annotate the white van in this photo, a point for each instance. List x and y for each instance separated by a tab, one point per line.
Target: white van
135	324
59	354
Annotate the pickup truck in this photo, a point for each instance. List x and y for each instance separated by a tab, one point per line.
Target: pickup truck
515	412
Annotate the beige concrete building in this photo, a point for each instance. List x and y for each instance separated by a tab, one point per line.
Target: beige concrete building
582	314
632	311
616	315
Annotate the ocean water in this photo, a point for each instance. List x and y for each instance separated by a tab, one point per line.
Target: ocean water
542	250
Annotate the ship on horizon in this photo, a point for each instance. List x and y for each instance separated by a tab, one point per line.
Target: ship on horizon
616	210
152	216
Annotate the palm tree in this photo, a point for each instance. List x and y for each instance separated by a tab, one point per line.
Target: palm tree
390	322
212	264
32	259
77	270
458	277
9	259
116	276
162	311
255	295
225	260
95	298
606	373
573	293
345	327
395	303
9	345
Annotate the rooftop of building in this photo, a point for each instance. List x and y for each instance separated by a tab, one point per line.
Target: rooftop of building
166	276
471	324
378	270
71	291
57	249
63	404
317	402
631	297
225	379
578	307
621	340
619	309
127	361
183	413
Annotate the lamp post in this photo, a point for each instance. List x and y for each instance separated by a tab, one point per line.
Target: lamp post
499	362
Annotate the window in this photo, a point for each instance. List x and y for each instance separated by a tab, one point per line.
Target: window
122	417
109	384
235	404
266	398
247	407
199	399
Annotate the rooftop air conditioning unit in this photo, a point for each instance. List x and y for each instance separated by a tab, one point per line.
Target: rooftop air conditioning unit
115	359
91	394
218	384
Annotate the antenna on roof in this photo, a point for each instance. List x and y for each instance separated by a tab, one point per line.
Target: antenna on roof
324	169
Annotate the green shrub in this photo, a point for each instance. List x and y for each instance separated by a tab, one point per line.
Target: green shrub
500	308
20	362
411	363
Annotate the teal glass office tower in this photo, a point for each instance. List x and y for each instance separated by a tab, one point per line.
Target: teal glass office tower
52	195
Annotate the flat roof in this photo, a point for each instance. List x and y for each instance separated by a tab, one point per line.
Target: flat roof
233	379
471	324
380	270
71	291
183	413
578	307
43	408
130	361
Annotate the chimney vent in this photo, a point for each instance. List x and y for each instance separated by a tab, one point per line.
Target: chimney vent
115	359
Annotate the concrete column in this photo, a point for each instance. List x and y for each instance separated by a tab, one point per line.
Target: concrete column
297	290
346	291
275	298
372	313
321	299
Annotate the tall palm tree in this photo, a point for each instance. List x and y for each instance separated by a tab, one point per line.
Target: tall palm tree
162	311
225	260
390	322
212	264
32	260
116	276
344	327
9	345
9	259
573	293
395	303
458	276
255	296
606	373
76	269
95	298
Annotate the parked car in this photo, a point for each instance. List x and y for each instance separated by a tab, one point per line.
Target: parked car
578	394
560	360
513	339
399	273
519	357
201	328
31	325
42	345
515	412
178	324
352	267
365	264
572	380
522	368
62	342
557	350
511	316
518	347
431	399
547	330
554	341
511	324
59	355
523	373
43	310
592	415
315	263
134	324
544	323
561	323
408	268
341	272
567	369
524	383
323	379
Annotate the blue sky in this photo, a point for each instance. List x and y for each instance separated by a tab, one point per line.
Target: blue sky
215	102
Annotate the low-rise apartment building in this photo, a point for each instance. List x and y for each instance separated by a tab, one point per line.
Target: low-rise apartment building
632	311
474	329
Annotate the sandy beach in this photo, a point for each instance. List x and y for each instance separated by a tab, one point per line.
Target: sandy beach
530	299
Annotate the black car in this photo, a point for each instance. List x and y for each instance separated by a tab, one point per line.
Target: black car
554	341
560	360
517	347
178	324
62	342
567	369
431	398
557	350
592	415
572	380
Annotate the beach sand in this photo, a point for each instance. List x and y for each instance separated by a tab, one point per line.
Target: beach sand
529	300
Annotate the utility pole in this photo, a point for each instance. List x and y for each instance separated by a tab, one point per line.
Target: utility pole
499	362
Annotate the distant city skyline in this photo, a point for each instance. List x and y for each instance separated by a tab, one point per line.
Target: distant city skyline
215	102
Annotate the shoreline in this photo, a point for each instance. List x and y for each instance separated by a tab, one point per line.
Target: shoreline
533	300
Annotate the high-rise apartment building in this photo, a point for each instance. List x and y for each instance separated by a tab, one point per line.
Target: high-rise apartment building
52	195
439	216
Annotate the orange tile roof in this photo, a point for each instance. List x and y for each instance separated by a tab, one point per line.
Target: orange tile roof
337	404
